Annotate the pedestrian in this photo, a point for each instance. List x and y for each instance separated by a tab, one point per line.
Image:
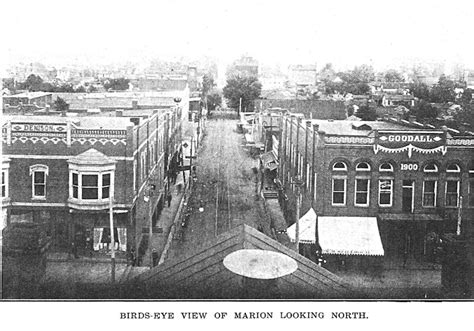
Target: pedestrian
154	255
74	250
168	198
132	257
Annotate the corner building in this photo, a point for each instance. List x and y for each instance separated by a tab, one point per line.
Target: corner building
67	173
416	180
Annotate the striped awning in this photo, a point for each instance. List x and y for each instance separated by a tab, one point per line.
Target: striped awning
307	227
349	235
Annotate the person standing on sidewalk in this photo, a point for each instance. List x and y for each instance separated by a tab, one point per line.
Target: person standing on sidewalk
168	198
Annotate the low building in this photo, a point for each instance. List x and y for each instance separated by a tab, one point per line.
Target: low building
417	181
37	99
71	173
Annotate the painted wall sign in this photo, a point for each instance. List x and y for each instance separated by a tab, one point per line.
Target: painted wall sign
39	127
409	166
410	141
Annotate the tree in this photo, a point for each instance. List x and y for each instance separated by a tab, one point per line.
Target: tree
117	84
239	88
420	90
366	113
32	83
214	100
424	111
393	76
207	84
466	97
443	91
60	105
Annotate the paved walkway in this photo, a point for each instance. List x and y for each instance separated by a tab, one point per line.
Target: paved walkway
165	221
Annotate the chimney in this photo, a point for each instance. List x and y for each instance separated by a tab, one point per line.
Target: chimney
47	109
411	118
316	127
134	104
119	113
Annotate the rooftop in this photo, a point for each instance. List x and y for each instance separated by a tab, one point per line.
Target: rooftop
29	95
359	128
95	122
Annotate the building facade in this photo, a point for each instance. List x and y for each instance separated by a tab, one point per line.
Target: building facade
70	173
418	181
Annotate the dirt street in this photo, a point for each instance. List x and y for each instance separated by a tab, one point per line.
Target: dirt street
224	190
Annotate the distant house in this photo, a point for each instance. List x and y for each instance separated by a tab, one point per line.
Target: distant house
398	100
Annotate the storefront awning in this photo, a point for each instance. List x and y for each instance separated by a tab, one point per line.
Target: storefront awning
269	161
307	225
349	235
410	217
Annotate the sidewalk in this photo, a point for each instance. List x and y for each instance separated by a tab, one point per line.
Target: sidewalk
166	220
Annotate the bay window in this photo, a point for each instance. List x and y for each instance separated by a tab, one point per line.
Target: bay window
91	184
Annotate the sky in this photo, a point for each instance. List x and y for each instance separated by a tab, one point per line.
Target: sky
346	33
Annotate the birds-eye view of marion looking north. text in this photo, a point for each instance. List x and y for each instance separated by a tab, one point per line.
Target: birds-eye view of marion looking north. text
237	177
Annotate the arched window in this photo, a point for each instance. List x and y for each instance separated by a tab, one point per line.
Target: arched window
453	167
339	166
386	167
363	166
431	167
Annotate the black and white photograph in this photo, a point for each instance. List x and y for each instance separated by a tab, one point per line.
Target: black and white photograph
237	151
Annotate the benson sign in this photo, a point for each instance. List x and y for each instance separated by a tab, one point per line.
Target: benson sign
410	141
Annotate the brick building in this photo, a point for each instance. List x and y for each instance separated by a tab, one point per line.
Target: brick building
66	172
417	181
29	100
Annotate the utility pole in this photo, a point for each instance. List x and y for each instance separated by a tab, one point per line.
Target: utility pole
240	106
298	182
458	228
112	239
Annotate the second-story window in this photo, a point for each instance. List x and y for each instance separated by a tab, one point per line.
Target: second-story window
385	192
38	174
4	184
338	191
362	192
452	193
88	186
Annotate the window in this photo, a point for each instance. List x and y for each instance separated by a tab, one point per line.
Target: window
452	192
429	193
339	166
431	167
385	192
386	167
88	186
38	173
453	168
362	192
471	193
471	185
339	191
315	187
363	166
4	184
